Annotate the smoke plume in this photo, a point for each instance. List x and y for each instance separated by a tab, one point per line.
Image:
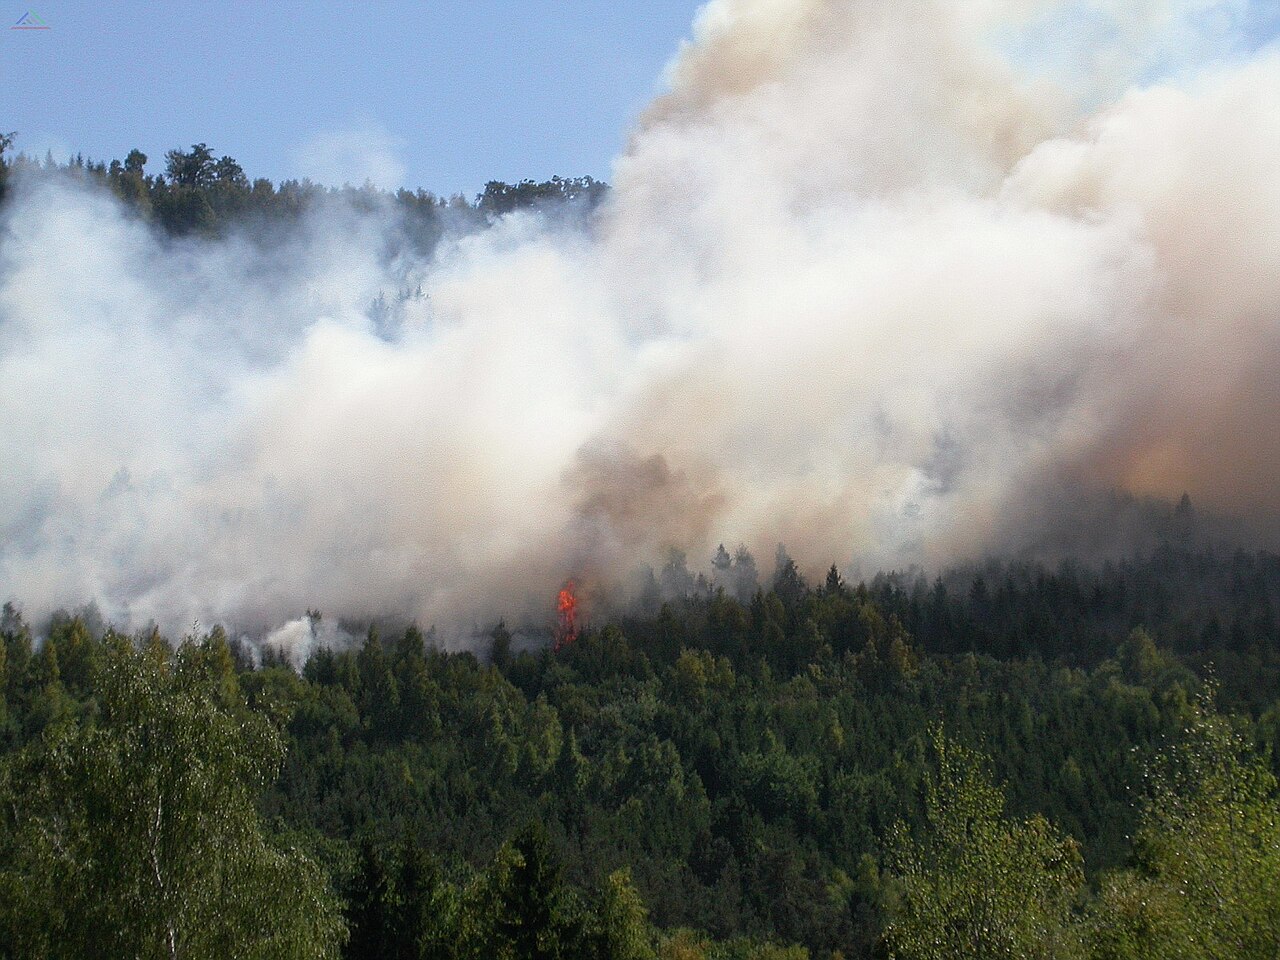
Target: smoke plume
885	282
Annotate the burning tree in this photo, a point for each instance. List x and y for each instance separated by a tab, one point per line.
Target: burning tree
566	617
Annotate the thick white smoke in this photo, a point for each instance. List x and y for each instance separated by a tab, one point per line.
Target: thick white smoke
877	281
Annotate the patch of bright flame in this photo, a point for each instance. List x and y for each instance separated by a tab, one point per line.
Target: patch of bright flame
567	617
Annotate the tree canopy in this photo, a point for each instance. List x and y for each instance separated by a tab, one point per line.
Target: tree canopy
136	833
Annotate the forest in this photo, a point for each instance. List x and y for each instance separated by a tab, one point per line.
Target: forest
1007	759
1051	763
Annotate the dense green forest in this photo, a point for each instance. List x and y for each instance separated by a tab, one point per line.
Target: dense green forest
1005	760
1034	765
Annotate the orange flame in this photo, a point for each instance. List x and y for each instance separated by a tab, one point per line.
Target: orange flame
567	612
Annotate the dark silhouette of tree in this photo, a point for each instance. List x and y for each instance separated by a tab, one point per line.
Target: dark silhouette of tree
194	168
135	161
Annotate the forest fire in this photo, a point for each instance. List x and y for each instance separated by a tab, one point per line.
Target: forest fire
567	617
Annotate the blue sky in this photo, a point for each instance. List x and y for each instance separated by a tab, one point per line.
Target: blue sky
443	94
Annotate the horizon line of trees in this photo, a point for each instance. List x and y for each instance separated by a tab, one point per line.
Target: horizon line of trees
202	194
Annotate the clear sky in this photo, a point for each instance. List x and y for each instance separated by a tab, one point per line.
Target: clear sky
443	94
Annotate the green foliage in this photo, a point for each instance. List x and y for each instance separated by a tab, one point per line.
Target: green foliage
136	835
719	776
405	905
1207	877
521	910
972	883
620	929
402	905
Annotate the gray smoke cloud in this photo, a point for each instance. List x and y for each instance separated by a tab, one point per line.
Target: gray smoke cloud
890	282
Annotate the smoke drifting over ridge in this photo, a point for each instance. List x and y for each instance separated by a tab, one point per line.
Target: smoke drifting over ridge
871	283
